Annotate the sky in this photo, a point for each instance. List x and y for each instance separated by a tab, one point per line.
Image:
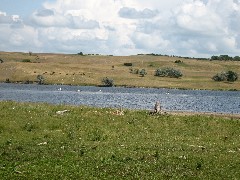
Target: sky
193	28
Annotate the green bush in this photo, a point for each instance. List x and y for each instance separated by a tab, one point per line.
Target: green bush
168	72
142	72
232	76
107	82
26	60
127	64
226	76
40	79
219	77
178	61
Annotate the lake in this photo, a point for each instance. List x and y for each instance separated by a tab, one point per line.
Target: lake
130	98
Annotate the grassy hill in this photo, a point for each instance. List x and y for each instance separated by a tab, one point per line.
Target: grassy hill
91	69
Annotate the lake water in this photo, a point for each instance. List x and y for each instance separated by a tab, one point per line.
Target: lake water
131	98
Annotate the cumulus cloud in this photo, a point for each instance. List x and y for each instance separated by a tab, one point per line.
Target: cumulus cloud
49	18
6	19
132	13
45	13
122	27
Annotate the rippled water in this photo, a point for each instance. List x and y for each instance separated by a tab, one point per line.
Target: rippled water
132	98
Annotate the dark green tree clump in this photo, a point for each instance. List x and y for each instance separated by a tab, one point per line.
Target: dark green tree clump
225	58
107	82
230	76
168	72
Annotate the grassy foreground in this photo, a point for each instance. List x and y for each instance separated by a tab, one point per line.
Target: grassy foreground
94	143
90	70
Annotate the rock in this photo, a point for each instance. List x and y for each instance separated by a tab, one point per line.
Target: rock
62	112
157	107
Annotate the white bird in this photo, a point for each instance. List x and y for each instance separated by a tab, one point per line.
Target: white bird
59	89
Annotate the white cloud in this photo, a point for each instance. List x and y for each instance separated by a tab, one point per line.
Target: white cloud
123	27
132	13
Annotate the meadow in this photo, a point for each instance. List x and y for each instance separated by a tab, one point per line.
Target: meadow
91	69
103	143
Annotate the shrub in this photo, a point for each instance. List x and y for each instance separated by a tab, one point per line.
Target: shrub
40	79
168	72
178	61
127	64
7	80
26	60
108	82
134	71
226	76
219	77
143	72
232	76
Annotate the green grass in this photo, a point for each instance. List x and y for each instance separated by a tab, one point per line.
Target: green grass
95	143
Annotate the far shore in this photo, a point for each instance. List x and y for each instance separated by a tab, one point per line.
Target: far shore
69	69
124	86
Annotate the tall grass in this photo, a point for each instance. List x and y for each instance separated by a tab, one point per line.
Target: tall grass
95	143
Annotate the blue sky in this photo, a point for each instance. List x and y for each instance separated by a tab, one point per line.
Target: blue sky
196	28
22	7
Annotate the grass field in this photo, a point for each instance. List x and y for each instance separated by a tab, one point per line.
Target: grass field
90	70
94	143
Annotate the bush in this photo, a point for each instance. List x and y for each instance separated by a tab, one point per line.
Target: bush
40	79
226	76
26	60
7	80
134	71
232	76
168	72
108	82
143	72
178	61
127	64
219	77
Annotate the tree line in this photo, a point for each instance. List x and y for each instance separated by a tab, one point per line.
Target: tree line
225	58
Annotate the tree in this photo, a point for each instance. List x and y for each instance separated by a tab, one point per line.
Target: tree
236	58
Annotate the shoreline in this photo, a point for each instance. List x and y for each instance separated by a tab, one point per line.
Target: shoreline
163	112
122	86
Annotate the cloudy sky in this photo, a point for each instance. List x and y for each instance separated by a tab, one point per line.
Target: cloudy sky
196	28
